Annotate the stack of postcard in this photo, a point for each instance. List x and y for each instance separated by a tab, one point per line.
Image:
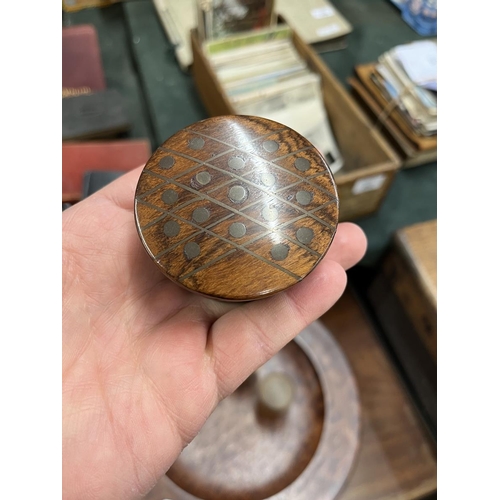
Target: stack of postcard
401	89
408	73
221	18
263	75
317	22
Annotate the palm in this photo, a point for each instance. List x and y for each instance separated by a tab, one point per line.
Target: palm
144	361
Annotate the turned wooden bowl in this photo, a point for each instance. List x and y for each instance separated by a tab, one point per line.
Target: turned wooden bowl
236	207
302	452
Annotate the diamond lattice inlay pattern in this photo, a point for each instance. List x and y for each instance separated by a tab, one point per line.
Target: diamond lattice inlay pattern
236	207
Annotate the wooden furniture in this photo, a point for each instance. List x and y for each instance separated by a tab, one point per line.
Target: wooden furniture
236	207
75	5
412	268
395	459
370	163
404	297
397	456
303	452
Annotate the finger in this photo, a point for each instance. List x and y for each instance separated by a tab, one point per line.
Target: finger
121	191
348	246
249	335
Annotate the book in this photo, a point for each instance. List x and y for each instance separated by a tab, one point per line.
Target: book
95	115
82	69
81	157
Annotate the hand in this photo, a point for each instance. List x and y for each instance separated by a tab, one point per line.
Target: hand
145	362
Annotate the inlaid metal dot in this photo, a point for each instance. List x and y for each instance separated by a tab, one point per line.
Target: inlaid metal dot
191	250
203	178
237	230
171	228
268	179
270	146
302	164
236	162
196	143
279	251
305	235
303	197
200	215
237	194
169	197
270	214
167	162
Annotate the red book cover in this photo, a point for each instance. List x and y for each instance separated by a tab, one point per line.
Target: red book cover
82	69
81	157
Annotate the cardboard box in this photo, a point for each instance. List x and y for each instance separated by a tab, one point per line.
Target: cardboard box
370	163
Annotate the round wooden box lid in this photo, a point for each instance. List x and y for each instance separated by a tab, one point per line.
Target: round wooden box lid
236	207
302	452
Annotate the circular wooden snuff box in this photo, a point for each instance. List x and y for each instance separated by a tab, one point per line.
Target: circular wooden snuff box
289	432
236	207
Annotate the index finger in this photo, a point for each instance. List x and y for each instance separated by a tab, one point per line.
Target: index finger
121	191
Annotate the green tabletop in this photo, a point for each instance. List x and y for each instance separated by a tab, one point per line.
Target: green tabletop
139	61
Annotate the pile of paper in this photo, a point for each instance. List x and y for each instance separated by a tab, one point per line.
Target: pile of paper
221	18
316	21
401	90
407	75
263	75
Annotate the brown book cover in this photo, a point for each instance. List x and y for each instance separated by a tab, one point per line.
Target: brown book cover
81	157
364	73
82	69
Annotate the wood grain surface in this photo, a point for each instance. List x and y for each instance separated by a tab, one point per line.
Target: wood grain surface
403	296
397	457
236	207
243	453
411	268
418	245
